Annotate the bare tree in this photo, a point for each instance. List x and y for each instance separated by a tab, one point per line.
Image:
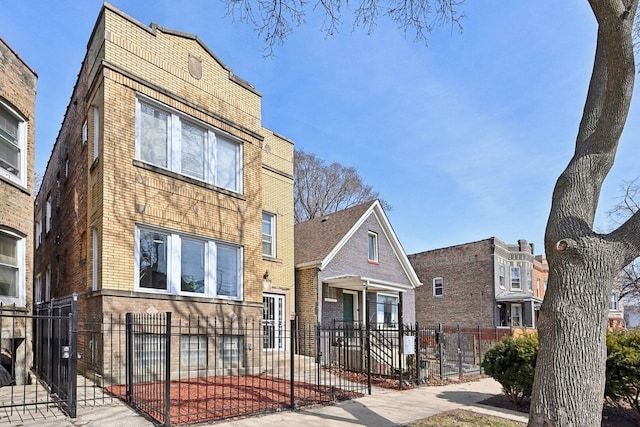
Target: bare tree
321	188
583	264
628	204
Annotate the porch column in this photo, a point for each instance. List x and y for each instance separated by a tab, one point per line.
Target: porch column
364	302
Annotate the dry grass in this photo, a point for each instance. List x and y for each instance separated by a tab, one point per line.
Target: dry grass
462	418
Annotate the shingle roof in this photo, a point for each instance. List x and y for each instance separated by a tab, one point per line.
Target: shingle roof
314	239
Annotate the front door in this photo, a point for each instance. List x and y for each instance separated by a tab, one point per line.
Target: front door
349	309
273	321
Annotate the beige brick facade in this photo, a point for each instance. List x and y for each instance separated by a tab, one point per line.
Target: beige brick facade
110	192
17	105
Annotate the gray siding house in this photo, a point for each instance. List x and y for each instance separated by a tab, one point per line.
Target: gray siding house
350	268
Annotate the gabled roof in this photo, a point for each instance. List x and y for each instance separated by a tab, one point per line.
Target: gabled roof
318	240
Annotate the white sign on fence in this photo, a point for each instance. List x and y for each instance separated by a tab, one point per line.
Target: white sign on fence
409	344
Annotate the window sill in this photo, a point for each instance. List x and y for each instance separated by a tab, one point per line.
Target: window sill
138	293
271	259
18	185
373	262
174	175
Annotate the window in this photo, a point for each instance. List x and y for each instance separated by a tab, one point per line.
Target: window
613	305
48	215
373	246
193	351
66	167
170	263
538	287
85	132
96	132
47	284
516	315
150	349
13	145
95	260
231	351
268	234
501	276
12	268
38	290
388	310
173	142
515	278
438	287
38	231
529	280
545	286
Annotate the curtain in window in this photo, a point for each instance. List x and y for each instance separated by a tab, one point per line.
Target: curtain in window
227	164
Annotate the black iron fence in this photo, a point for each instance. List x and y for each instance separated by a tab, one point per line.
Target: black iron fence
197	369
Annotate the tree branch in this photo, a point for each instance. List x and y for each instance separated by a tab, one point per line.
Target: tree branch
628	234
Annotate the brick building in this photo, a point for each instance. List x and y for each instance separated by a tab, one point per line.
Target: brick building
487	283
155	195
17	144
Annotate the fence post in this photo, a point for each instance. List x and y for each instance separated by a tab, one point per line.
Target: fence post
459	352
129	358
401	355
440	337
291	365
73	357
417	353
480	348
167	373
368	350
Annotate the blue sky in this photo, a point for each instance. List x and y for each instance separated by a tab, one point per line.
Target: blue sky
465	137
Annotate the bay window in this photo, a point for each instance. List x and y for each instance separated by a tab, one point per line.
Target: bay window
168	262
185	146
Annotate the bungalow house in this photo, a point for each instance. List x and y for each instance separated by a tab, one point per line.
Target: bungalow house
351	268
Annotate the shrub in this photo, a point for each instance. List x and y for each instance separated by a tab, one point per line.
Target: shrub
512	362
623	368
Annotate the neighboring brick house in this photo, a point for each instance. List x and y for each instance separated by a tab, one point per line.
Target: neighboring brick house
487	283
277	240
350	267
154	195
17	145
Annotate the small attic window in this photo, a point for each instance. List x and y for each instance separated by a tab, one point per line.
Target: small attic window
195	67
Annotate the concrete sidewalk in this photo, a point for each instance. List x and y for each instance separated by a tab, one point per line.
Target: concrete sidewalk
382	408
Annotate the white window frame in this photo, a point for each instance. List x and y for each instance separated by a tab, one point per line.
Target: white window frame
174	265
614	303
20	267
529	280
38	231
21	177
513	279
380	313
47	284
516	308
438	283
96	132
214	140
48	215
372	246
501	276
269	239
37	284
85	132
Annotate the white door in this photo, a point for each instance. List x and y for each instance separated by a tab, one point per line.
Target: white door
273	322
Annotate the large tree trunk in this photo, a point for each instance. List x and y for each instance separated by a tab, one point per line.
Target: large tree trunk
570	371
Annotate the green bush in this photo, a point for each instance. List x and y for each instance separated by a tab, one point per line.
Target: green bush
623	368
512	362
